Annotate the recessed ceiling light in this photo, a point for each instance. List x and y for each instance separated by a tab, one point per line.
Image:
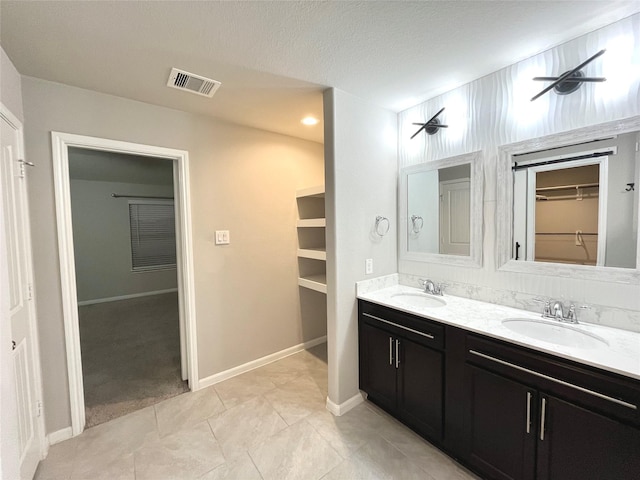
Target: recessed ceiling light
310	121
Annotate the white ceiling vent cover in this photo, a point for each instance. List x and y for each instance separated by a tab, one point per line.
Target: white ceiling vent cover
192	83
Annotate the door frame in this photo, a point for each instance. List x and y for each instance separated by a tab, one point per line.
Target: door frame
184	257
40	428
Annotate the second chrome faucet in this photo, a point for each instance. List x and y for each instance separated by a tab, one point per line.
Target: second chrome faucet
432	288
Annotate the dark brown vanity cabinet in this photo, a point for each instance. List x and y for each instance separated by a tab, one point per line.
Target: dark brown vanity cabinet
505	411
529	417
401	367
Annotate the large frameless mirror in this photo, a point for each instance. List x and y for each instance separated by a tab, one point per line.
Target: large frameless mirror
571	203
441	211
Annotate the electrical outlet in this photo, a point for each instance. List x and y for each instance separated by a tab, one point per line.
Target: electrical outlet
223	237
368	266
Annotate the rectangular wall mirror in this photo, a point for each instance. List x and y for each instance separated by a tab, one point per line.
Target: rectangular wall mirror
441	211
571	206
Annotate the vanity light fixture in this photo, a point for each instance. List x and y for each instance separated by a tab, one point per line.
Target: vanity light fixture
432	126
569	81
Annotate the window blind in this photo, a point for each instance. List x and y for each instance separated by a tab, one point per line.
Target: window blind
153	235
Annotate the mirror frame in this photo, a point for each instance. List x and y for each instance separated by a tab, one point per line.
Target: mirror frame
504	207
474	259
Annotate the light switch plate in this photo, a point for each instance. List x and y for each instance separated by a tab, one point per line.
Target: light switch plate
222	237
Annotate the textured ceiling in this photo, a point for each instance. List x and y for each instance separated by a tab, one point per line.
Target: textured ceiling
274	59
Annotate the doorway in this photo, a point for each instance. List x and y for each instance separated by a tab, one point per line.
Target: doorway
64	146
126	284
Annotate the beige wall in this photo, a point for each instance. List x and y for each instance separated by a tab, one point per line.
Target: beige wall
243	180
102	241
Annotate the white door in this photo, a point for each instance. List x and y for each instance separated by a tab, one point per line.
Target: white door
455	217
20	303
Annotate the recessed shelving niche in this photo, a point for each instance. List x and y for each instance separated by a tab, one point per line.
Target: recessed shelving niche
312	254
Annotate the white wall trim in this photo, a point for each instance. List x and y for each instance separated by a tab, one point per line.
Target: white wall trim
260	362
60	435
184	247
126	297
340	409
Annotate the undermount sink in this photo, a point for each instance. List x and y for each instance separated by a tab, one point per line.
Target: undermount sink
418	300
554	332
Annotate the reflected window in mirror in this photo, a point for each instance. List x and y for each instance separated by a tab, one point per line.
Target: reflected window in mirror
441	211
573	205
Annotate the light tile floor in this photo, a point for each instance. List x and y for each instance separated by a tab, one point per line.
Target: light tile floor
270	423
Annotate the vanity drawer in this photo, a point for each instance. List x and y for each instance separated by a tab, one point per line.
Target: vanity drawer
418	329
605	392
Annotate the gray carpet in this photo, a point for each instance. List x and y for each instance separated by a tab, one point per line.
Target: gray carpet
130	355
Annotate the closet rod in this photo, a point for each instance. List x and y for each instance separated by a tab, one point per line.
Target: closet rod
564	233
117	195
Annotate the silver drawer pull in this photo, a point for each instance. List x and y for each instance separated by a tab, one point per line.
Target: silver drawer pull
390	350
397	353
561	382
399	326
528	412
542	415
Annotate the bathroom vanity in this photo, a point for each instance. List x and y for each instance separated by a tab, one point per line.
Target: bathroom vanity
507	405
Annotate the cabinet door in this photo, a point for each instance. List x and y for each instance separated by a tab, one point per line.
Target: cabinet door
420	387
580	444
379	379
499	426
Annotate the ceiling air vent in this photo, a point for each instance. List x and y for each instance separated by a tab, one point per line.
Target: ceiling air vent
192	83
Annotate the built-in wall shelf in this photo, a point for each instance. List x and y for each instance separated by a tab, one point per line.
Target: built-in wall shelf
317	191
314	282
312	223
312	254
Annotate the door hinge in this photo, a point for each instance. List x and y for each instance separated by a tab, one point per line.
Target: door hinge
30	291
38	408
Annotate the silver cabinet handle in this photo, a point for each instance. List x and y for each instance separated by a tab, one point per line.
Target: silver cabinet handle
397	353
528	412
428	335
555	380
390	351
542	415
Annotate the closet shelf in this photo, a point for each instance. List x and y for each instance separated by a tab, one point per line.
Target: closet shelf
567	187
314	282
312	222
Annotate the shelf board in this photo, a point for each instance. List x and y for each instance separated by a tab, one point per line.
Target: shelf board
314	253
314	282
312	222
317	191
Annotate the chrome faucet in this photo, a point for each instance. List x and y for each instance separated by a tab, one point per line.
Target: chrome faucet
432	288
555	309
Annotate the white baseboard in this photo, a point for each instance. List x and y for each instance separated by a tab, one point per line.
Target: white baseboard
125	297
260	362
342	408
60	436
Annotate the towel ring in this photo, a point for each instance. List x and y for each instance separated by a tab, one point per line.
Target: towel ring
382	225
416	223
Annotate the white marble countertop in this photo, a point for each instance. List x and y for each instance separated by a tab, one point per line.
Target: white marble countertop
621	355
